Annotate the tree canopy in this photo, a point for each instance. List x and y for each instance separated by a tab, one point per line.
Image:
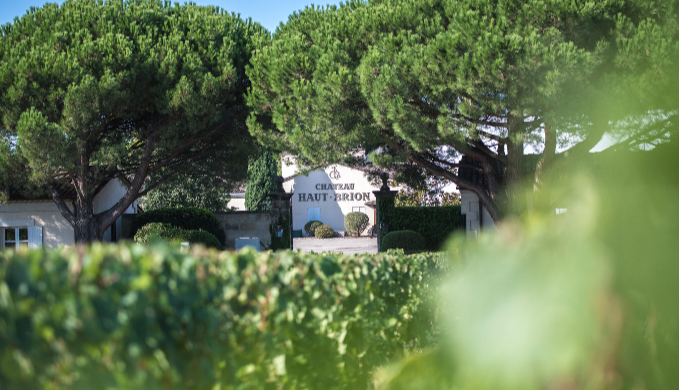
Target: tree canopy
95	90
428	81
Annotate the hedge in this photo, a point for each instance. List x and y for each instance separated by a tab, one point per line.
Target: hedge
132	317
434	223
174	234
407	240
187	218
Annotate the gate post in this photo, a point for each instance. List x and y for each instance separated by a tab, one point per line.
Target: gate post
385	203
281	205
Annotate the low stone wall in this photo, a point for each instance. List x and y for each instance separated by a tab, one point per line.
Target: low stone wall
238	224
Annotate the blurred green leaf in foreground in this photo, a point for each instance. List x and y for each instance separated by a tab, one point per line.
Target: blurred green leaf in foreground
583	300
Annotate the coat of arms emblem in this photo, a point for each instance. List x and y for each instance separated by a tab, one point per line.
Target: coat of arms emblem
334	174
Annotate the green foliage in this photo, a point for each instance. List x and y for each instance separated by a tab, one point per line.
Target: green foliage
435	224
262	172
283	242
407	240
202	191
151	318
187	218
154	231
356	223
202	237
324	231
427	81
310	227
579	299
94	90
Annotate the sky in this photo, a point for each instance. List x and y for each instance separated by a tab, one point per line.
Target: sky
269	13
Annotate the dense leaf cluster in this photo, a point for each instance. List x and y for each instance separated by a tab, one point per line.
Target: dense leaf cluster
436	224
153	231
356	223
133	317
310	227
262	172
188	218
201	189
324	231
407	240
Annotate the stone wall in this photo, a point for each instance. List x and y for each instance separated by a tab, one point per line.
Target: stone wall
238	224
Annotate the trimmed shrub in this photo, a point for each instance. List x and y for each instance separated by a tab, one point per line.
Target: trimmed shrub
131	317
356	223
310	227
324	231
156	230
202	237
167	232
407	240
187	218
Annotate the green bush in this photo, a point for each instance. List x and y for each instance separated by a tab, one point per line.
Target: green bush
356	223
324	231
131	317
165	231
187	218
310	227
436	224
407	240
147	233
202	237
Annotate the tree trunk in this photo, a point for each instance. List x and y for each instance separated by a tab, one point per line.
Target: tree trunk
541	193
87	230
516	196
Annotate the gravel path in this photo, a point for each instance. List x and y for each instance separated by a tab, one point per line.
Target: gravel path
346	245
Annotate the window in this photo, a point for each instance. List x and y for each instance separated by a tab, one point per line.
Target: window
21	237
314	214
16	237
359	209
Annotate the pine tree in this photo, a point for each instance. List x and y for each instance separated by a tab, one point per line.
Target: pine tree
262	172
94	90
426	81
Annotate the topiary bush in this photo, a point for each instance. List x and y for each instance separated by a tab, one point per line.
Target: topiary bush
324	231
356	223
202	237
187	218
156	230
310	227
407	240
146	234
133	317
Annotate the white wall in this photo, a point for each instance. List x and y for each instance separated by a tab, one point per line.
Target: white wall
335	191
475	220
237	201
56	230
